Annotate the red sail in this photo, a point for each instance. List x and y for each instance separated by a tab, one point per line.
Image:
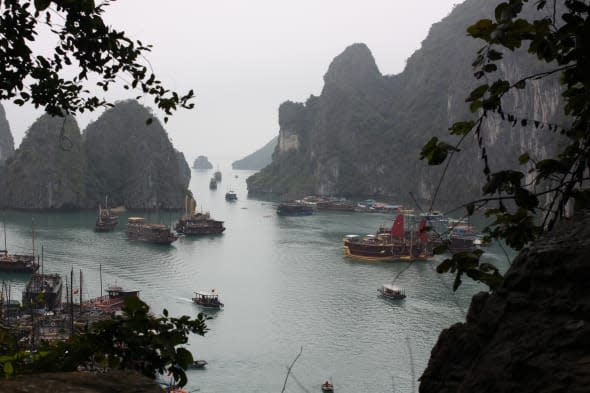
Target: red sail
397	229
422	231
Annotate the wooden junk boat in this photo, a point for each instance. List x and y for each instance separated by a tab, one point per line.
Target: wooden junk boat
17	263
138	229
294	209
231	196
208	299
193	224
113	301
43	291
105	221
395	244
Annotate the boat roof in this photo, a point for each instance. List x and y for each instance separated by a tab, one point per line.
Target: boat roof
135	219
206	293
351	236
392	287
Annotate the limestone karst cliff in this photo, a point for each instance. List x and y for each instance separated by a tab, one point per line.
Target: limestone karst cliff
133	162
48	169
533	333
363	134
119	155
6	140
259	159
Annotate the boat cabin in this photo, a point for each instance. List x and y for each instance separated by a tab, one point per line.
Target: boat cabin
392	292
207	299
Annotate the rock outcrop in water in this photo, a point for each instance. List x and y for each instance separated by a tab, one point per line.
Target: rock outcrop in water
532	334
133	162
259	159
202	162
6	140
48	170
364	133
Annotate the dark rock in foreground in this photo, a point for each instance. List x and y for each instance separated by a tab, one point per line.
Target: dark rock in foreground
533	334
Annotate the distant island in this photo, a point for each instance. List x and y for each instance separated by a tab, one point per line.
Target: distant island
259	159
202	162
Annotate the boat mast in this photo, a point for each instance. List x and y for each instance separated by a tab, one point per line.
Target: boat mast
33	230
80	291
72	301
42	259
4	221
100	274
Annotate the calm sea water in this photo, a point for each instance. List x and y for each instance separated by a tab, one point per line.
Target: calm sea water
285	283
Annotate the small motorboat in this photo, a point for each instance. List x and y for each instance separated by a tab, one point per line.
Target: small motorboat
327	386
208	299
391	292
198	364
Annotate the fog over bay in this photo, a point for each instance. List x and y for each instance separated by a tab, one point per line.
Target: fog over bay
243	58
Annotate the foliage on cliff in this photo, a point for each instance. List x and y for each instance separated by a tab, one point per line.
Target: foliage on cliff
134	340
49	168
363	134
558	36
131	161
259	159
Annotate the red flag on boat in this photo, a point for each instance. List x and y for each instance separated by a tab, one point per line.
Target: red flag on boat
422	231
397	229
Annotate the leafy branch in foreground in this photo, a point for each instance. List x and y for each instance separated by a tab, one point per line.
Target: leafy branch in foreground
86	47
561	40
133	341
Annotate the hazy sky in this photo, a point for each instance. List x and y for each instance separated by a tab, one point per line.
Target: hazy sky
243	58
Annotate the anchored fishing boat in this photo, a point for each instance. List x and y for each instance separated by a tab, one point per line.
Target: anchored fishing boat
138	229
17	263
192	224
105	221
395	244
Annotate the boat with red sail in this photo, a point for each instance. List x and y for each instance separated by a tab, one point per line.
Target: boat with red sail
395	244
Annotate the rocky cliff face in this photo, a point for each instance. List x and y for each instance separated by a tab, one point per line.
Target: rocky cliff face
363	135
48	169
134	163
259	159
6	141
202	162
532	334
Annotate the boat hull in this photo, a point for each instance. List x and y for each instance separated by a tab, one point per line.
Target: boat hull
18	264
383	252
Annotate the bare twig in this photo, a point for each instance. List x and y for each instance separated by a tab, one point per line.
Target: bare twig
289	370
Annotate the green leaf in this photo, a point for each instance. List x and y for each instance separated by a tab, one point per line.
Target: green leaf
40	5
462	128
477	93
8	369
524	158
481	29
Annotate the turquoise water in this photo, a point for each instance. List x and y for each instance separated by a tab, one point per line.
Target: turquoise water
285	283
